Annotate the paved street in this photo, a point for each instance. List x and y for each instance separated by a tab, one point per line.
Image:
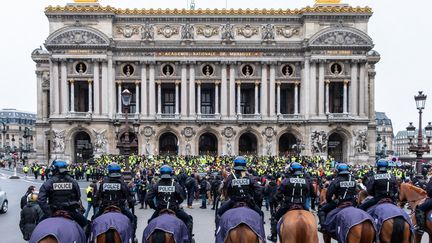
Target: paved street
203	219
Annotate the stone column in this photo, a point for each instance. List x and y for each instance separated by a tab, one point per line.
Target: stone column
64	88
217	97
256	97
272	102
106	87
54	90
137	90
239	98
40	94
321	91
90	96
119	101
72	95
198	97
152	92
231	102
353	90
184	96
372	74
177	100
313	90
345	96
159	92
327	96
96	88
278	97
362	97
264	92
111	87
296	98
44	105
192	105
366	100
224	93
144	94
305	97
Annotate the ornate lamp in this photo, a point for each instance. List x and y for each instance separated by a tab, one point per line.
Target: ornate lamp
126	97
420	100
428	131
410	132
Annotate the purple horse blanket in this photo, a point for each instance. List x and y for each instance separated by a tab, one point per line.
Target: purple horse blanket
236	216
384	211
113	220
340	220
64	230
169	224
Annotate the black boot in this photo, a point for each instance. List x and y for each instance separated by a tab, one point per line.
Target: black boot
322	219
191	235
87	230
420	219
273	231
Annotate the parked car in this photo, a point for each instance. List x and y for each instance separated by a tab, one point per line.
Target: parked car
3	202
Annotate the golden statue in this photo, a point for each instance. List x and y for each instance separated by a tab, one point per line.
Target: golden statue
86	1
327	1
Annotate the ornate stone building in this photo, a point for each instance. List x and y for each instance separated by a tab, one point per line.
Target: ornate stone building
263	82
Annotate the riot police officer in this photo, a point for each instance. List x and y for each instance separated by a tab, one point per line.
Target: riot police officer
240	187
292	191
381	185
169	194
343	187
423	208
62	192
113	191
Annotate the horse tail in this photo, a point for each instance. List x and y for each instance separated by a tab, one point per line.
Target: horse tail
158	236
368	232
398	229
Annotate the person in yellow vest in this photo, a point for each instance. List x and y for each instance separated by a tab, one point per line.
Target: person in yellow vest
25	170
91	196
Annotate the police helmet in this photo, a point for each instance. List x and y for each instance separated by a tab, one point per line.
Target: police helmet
382	165
342	169
58	166
32	197
166	172
114	170
296	168
240	163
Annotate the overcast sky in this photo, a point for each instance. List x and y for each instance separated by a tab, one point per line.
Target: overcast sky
401	30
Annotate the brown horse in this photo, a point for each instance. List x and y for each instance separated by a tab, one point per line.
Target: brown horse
298	226
48	239
160	236
360	233
392	230
414	196
111	236
316	192
241	234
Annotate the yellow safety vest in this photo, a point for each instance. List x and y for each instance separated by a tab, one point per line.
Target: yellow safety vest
89	189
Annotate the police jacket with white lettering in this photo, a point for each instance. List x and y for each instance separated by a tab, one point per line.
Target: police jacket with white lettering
343	187
294	189
60	192
168	194
242	189
382	185
113	191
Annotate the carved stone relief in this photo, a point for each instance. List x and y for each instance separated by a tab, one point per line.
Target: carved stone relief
58	141
340	38
319	141
128	30
78	37
247	31
227	32
207	30
45	79
100	142
228	133
147	32
287	31
167	31
268	32
361	143
187	32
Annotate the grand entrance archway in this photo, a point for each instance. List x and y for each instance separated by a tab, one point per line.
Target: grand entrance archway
208	144
168	144
133	142
336	147
248	144
83	149
286	144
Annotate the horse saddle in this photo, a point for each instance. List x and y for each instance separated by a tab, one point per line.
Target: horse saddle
62	213
295	207
385	200
345	204
112	208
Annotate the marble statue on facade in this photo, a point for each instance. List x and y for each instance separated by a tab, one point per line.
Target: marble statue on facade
147	32
100	141
187	32
268	32
227	32
361	144
319	142
58	141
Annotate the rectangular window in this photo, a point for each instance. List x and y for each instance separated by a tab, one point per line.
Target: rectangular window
247	101
207	97
287	99
168	101
336	97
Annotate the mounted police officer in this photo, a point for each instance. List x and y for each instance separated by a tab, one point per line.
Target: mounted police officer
169	194
240	187
62	192
113	191
382	185
420	212
293	191
343	187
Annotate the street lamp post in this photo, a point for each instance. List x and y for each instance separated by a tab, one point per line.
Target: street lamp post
419	149
3	131
25	148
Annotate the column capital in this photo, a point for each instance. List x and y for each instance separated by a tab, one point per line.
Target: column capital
217	82
119	82
278	83
198	82
137	82
177	82
71	81
257	82
232	62
346	81
90	81
158	82
327	81
297	83
224	62
238	82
